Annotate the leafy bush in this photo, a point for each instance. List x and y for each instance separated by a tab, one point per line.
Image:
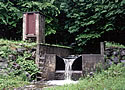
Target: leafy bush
11	12
23	63
11	82
23	66
89	20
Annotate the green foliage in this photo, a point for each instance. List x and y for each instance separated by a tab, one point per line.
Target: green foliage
113	78
11	13
90	19
8	47
67	21
4	51
8	11
10	82
113	44
28	66
23	63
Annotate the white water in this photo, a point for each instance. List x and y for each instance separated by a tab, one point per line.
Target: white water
68	68
68	74
61	82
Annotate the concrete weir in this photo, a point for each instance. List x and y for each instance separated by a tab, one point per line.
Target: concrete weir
51	59
75	68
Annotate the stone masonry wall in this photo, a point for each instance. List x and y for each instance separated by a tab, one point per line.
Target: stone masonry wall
114	55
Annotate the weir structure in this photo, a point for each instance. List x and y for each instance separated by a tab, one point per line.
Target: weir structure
51	59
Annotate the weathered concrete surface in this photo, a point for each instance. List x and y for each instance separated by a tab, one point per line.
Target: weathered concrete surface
59	51
89	64
50	65
46	59
90	61
42	50
60	75
47	55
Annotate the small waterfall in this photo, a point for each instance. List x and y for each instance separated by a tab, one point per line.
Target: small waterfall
68	72
68	68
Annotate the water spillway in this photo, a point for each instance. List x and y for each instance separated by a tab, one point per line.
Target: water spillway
77	66
64	71
68	68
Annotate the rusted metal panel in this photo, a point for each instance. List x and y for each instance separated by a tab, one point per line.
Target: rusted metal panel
30	24
34	27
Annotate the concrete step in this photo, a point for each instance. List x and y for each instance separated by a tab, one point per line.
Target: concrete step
40	72
41	63
72	56
63	71
41	67
42	58
39	77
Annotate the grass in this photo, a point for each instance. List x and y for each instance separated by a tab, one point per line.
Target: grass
111	79
27	44
10	82
16	44
113	44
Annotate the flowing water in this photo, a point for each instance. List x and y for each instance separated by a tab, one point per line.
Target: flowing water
68	68
68	73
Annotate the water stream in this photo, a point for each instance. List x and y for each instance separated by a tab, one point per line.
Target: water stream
68	68
68	72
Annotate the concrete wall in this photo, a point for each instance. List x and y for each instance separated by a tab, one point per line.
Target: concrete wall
89	64
59	51
50	66
47	55
90	61
46	59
